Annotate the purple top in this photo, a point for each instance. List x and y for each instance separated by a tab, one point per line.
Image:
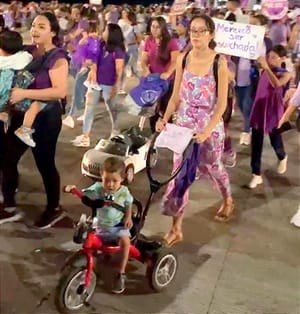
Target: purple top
268	106
151	47
106	65
78	54
279	33
41	74
92	49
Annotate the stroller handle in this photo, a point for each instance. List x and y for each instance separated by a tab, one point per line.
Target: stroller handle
174	172
73	191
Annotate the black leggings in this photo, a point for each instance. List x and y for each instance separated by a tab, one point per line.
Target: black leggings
47	128
257	142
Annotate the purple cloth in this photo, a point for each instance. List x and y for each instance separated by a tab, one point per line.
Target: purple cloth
279	33
41	73
149	90
106	65
92	49
268	106
78	55
114	17
187	174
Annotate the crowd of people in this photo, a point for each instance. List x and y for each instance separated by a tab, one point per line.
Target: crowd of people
100	47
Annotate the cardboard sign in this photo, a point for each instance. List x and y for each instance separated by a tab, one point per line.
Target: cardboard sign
241	40
96	2
275	9
179	7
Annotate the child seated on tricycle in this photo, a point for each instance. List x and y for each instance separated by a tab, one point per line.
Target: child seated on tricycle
113	223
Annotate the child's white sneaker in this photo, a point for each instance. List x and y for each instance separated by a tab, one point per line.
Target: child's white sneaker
245	138
25	135
255	181
69	122
296	219
83	142
282	165
80	118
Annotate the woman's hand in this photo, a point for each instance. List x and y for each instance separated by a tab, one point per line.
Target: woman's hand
114	91
17	95
263	63
283	120
289	94
201	136
92	77
164	76
146	72
160	125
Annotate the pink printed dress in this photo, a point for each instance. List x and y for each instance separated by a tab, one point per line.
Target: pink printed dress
197	104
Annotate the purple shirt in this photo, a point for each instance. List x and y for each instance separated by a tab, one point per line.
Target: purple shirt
106	66
151	47
279	33
92	49
41	74
78	54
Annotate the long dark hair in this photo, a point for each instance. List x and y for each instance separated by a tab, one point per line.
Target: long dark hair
210	25
115	38
54	26
164	54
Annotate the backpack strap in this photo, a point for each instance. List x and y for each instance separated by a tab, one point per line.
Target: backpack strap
216	71
184	59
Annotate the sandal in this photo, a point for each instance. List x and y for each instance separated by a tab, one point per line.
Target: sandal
172	238
226	214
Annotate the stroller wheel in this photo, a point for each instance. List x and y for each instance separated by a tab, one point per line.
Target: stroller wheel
162	270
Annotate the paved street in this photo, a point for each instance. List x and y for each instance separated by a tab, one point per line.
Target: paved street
248	266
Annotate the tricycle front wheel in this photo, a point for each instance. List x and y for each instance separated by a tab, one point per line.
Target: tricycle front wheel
70	296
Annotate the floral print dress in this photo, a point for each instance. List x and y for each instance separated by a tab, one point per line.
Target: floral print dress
197	104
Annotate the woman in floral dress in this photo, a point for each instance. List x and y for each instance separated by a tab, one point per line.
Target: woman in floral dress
195	104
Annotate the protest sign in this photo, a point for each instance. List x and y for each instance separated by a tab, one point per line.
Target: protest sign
179	7
96	2
241	40
275	9
174	137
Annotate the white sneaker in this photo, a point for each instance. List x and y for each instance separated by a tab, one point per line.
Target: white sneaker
122	92
282	165
77	139
84	142
69	122
25	135
80	118
245	138
296	219
256	180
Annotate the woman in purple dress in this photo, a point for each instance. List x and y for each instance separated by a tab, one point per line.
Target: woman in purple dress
199	104
267	110
50	70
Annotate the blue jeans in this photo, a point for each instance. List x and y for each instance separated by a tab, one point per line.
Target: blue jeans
244	102
133	53
92	100
79	92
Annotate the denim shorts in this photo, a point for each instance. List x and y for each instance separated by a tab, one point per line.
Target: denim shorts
113	233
